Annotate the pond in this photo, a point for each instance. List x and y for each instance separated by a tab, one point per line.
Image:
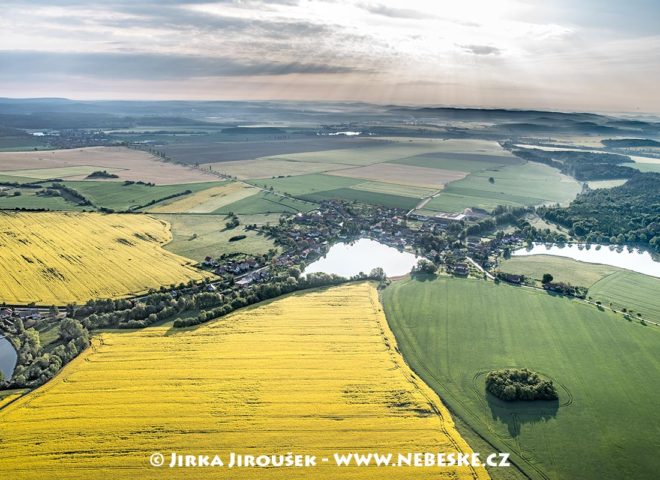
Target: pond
7	358
363	255
636	260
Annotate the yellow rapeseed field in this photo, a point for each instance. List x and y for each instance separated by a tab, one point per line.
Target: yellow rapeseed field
60	258
313	373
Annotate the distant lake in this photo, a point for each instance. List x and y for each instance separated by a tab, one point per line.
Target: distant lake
348	259
631	259
7	358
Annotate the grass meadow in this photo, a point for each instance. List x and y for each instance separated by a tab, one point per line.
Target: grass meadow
453	331
630	290
196	236
264	203
562	269
118	196
514	185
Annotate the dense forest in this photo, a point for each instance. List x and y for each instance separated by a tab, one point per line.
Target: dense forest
581	165
629	214
630	142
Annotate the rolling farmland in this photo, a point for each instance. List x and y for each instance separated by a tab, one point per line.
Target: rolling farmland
266	202
306	184
394	149
623	288
195	236
208	200
515	185
452	331
266	380
76	164
466	162
317	187
119	196
60	258
404	175
364	196
226	148
417	168
562	269
270	167
630	290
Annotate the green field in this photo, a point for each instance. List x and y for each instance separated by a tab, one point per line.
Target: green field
561	268
18	143
514	185
265	202
198	236
395	189
462	162
118	196
625	289
373	198
306	184
453	331
31	201
317	187
14	179
399	148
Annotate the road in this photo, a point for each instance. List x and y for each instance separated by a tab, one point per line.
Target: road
480	268
423	203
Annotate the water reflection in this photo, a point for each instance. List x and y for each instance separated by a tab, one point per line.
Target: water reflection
348	259
7	358
633	259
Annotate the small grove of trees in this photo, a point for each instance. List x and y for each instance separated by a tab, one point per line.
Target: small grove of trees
233	221
265	291
424	266
520	384
566	289
34	365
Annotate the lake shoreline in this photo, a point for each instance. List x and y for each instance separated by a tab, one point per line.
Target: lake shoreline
8	357
632	259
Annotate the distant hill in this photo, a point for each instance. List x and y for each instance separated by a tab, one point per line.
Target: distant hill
630	142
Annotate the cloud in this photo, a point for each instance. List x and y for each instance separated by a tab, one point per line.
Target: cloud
384	10
148	66
481	49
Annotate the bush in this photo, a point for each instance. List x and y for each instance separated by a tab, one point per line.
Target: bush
519	384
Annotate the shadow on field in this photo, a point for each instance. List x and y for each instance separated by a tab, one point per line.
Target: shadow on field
423	277
516	414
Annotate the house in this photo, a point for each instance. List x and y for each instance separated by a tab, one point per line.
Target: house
461	269
511	278
245	281
29	313
446	218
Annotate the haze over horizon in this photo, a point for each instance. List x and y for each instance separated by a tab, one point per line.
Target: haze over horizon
581	55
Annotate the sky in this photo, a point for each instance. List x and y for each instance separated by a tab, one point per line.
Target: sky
586	55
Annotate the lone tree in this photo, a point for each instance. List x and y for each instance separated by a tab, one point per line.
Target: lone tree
547	278
519	384
491	180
